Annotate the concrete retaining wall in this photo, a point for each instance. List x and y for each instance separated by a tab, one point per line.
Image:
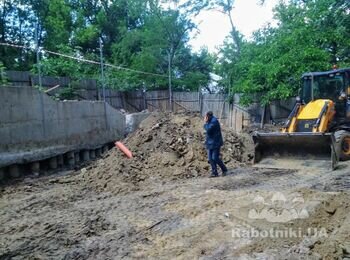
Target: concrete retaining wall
134	120
34	127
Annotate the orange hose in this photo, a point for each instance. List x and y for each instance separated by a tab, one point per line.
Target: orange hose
124	149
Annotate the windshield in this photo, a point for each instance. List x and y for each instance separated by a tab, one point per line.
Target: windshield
323	87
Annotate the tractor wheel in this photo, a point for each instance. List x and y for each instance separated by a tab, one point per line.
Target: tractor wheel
342	145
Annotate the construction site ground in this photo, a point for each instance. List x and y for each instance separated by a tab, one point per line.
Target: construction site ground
162	205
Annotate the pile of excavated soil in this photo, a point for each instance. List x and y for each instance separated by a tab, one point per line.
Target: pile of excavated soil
165	146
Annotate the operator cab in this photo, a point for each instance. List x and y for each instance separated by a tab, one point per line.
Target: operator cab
333	85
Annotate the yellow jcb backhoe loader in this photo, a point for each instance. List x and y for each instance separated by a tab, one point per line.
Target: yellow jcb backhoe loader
317	131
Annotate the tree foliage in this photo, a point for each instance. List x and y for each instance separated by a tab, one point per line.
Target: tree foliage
143	35
136	35
310	36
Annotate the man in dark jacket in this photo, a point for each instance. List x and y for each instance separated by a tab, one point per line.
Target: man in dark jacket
213	143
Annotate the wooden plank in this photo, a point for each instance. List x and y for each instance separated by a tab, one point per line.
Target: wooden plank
188	100
177	103
159	99
239	121
53	88
234	120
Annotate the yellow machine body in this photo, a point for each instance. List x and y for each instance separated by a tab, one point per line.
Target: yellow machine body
304	137
321	110
313	109
317	129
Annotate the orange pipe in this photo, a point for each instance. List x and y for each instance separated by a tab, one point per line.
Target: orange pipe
124	149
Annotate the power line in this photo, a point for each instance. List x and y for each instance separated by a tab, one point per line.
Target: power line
84	60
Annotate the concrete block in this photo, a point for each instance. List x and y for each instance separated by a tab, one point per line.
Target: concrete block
14	171
98	152
35	168
70	159
70	155
92	154
77	157
2	174
105	149
71	162
53	163
85	155
60	160
133	121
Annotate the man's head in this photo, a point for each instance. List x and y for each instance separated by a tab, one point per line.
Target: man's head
209	115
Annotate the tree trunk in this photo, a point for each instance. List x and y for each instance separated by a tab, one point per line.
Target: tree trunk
234	34
170	59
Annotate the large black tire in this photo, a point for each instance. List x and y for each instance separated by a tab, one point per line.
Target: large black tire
342	145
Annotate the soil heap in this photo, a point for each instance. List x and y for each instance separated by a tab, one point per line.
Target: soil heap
166	145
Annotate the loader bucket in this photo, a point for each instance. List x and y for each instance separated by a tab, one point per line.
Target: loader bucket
295	150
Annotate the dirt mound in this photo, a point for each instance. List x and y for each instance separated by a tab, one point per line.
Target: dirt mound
165	145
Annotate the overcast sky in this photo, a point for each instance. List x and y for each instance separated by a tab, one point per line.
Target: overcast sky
214	26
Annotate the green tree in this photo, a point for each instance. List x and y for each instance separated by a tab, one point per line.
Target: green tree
193	70
16	23
309	37
137	35
56	19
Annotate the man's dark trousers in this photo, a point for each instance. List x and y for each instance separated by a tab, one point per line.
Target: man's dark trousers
214	160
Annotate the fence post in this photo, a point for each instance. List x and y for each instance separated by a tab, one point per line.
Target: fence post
144	96
38	53
97	91
144	100
199	99
263	117
230	113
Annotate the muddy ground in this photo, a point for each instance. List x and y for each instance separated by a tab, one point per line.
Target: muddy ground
161	205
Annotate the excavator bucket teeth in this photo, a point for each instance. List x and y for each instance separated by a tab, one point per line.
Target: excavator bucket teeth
295	150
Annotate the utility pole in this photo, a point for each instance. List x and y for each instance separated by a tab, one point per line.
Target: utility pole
144	90
170	85
103	83
102	72
38	53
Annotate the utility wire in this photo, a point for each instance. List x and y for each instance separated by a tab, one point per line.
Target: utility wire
83	60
